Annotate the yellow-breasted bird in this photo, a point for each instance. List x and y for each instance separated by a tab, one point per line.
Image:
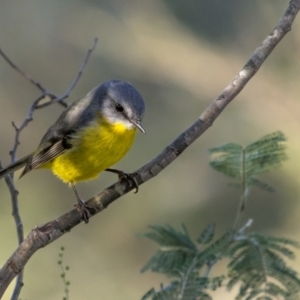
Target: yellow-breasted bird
91	135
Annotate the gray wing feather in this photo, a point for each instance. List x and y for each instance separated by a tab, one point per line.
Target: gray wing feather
58	138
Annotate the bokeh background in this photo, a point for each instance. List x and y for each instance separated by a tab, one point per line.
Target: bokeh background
179	55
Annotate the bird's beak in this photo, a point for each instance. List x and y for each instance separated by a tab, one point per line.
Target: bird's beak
139	125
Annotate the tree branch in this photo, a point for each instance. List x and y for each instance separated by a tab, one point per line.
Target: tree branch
42	236
10	179
19	225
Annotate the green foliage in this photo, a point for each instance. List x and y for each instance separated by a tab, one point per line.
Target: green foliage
244	164
63	275
257	264
186	262
176	250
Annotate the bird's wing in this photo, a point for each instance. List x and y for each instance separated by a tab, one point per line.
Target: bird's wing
46	152
58	138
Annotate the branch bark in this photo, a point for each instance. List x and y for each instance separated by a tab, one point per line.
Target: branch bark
49	232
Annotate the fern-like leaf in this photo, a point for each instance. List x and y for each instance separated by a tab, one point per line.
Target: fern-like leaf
266	153
245	164
227	159
176	250
180	258
207	235
165	293
258	262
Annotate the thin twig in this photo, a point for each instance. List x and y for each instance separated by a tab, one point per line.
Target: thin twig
52	97
25	75
49	232
247	225
19	225
35	105
242	203
211	263
63	275
74	83
18	286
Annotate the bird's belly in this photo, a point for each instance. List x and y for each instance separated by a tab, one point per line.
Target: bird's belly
94	149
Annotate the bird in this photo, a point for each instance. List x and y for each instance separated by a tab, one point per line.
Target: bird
90	135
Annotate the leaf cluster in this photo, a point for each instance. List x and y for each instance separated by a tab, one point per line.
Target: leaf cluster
186	262
245	164
256	264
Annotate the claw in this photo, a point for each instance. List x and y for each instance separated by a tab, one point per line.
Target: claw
130	179
85	210
125	176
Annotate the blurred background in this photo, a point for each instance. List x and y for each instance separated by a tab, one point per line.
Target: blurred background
179	55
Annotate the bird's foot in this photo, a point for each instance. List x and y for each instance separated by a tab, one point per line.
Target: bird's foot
126	176
85	210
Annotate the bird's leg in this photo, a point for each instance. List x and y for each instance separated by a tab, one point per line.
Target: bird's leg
125	176
83	207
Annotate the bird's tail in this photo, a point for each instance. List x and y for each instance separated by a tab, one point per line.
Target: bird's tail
14	166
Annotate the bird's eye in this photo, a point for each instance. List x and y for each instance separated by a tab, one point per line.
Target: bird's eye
119	107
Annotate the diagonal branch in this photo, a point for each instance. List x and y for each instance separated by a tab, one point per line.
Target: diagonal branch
49	232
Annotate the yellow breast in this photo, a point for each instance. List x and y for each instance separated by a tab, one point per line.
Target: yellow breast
94	149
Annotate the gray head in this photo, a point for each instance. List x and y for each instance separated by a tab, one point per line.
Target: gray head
120	102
